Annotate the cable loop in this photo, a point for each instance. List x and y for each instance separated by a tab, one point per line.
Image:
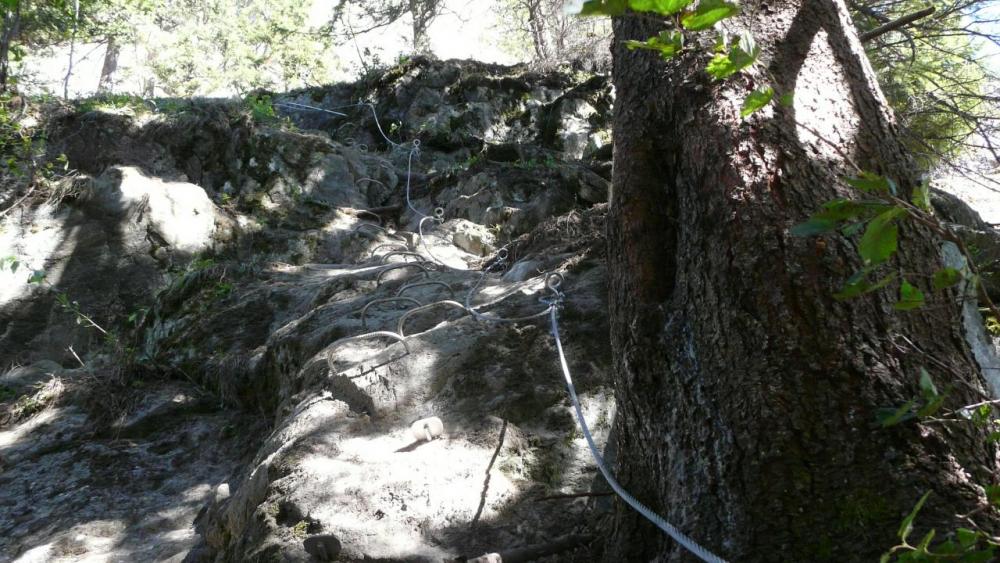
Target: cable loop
404	254
397	245
380	333
426	283
411	312
422	266
364	310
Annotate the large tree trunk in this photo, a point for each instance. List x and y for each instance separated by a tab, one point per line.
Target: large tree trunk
423	13
72	49
11	25
536	25
106	82
747	394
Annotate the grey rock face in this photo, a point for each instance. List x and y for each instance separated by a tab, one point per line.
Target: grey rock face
237	418
111	246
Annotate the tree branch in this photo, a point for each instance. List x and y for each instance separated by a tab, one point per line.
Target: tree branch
896	24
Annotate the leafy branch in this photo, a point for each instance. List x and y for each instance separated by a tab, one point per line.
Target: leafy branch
966	545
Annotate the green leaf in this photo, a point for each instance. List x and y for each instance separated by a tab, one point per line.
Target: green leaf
665	7
856	286
922	196
926	542
787	100
37	276
833	213
708	13
926	384
907	526
910	297
931	407
946	277
841	209
980	416
812	227
667	43
853	229
603	8
740	56
892	417
872	183
993	494
880	239
984	556
756	100
966	538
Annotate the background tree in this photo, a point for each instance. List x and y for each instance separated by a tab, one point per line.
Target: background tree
553	34
937	75
748	396
11	27
34	25
116	23
208	46
383	13
28	24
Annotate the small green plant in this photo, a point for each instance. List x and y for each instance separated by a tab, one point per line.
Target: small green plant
603	423
9	263
112	102
73	308
27	405
222	289
261	108
136	317
992	324
172	106
926	405
200	264
301	529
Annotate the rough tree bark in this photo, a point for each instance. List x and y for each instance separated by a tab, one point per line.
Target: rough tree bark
747	395
536	25
106	81
11	26
423	13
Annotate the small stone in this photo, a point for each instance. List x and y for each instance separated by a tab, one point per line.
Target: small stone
427	429
473	238
221	492
324	547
